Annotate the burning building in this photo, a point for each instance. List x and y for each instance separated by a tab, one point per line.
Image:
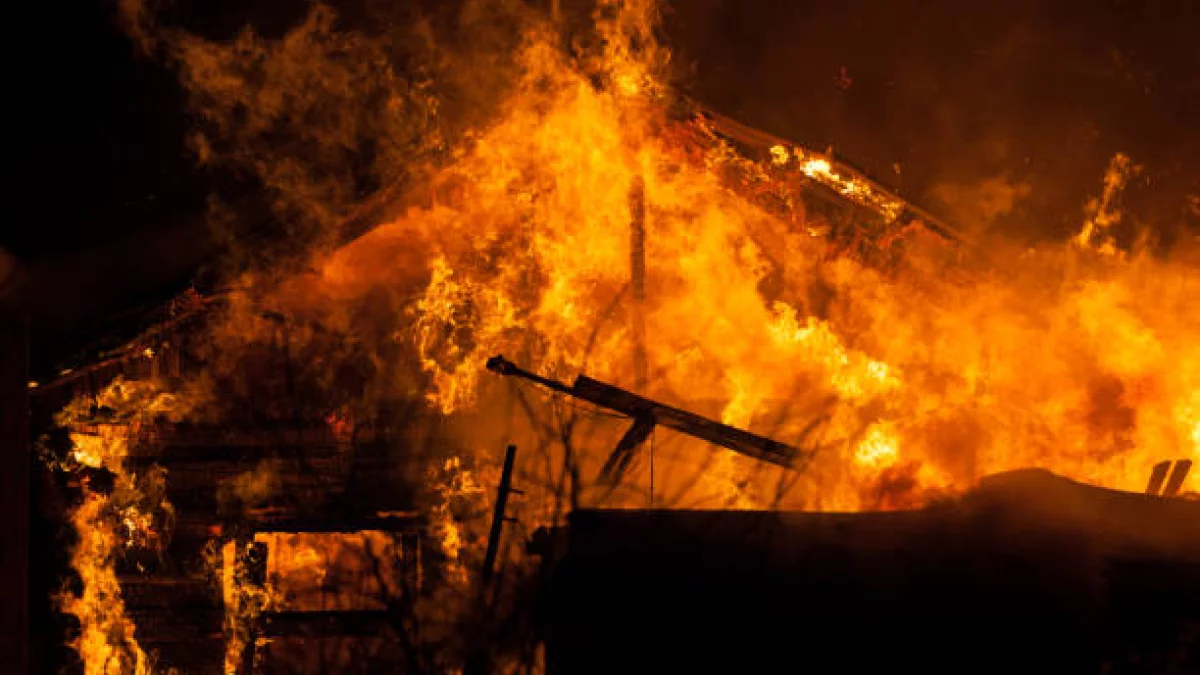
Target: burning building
294	469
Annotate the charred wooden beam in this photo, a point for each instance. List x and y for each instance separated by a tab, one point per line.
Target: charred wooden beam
493	545
647	413
1157	475
637	278
177	624
143	592
1178	475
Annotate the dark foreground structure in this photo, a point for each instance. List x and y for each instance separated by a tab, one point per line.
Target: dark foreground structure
1029	573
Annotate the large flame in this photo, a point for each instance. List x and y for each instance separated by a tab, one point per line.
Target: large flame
938	369
130	515
1061	357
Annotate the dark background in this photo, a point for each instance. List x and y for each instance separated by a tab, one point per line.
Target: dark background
107	211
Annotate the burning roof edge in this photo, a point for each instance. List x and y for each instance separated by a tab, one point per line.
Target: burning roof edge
128	336
764	145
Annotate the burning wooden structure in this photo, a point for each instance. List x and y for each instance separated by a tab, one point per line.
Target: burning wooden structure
198	537
194	574
238	538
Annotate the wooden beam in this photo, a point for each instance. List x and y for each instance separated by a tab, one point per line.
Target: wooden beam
1182	467
1157	475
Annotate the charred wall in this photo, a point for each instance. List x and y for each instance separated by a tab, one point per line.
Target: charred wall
263	460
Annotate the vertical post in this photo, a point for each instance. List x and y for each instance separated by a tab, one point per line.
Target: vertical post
478	662
14	466
637	279
637	282
493	547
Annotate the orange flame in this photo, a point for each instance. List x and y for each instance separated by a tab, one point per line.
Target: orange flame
108	524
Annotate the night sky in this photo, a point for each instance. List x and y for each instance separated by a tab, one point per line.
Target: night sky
110	206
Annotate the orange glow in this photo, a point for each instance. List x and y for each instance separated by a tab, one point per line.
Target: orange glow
1053	357
971	361
107	524
106	643
878	449
315	571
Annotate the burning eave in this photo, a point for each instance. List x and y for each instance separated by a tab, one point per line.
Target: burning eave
784	160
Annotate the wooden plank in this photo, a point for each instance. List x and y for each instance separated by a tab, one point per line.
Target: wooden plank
1157	475
741	441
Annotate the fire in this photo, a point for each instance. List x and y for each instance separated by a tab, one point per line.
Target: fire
106	642
879	448
452	483
1051	358
1103	212
129	515
910	380
974	361
243	599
